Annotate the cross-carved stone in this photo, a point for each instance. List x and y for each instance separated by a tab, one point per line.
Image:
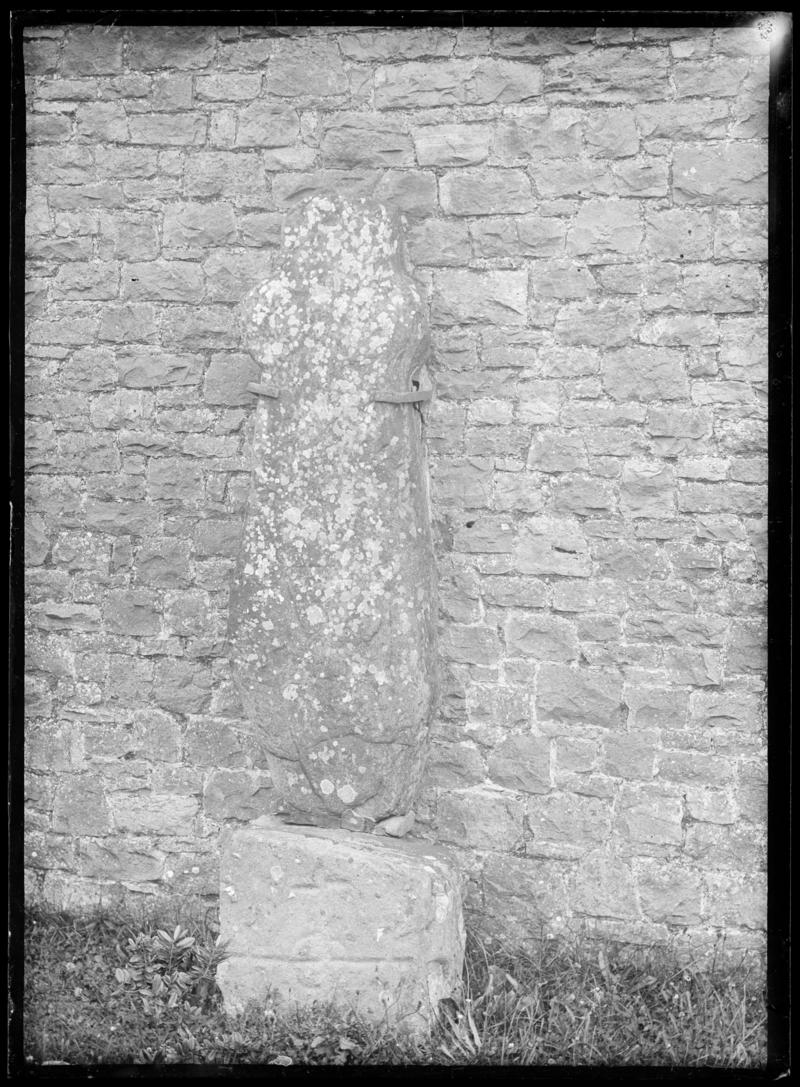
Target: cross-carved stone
332	613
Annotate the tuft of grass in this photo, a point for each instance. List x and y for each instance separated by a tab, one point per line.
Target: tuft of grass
108	987
577	1002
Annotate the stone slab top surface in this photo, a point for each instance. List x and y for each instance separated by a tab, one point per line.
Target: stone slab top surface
414	849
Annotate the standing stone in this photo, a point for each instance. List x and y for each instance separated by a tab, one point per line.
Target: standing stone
333	601
367	923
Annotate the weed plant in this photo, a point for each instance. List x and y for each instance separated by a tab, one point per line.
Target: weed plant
109	988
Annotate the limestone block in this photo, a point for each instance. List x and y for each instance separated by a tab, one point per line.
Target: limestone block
317	915
332	613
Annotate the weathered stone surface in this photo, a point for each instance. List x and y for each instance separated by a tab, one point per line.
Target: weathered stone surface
645	373
538	135
55	749
736	899
47	851
41	58
163	562
739	710
112	860
494	297
174	479
132	611
678	234
102	121
564	825
438	242
80	805
612	133
358	139
238	794
741	234
260	228
227	378
170	92
227	87
368	923
263	125
170	47
630	756
522	763
221	174
549	545
168	129
410	191
603	886
332	603
480	818
182	686
393	45
586	497
612	75
605	227
696	120
647	489
485	192
55	616
736	174
89	51
146	812
163	281
651	816
714	77
306	67
452	82
585	695
528	235
545	637
148	369
485	536
198	225
128	236
452	145
603	324
671	894
643	176
737	846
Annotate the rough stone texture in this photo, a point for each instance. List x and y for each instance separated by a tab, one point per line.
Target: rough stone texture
320	916
597	445
331	613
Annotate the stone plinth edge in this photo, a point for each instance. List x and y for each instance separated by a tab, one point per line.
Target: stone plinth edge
315	915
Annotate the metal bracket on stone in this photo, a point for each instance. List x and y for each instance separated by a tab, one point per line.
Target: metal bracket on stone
264	390
416	396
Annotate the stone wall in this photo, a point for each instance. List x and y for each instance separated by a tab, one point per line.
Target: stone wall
587	210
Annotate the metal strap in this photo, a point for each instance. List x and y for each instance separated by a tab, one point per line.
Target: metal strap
263	390
415	397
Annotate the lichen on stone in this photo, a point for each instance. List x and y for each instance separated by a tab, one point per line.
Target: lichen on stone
333	600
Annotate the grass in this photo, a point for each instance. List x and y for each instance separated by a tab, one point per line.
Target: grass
110	988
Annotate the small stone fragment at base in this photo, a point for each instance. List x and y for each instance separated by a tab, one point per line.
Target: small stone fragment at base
315	915
396	826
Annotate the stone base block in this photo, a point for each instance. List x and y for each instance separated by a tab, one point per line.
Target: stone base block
310	914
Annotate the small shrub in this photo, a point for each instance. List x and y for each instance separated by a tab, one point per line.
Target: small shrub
170	969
